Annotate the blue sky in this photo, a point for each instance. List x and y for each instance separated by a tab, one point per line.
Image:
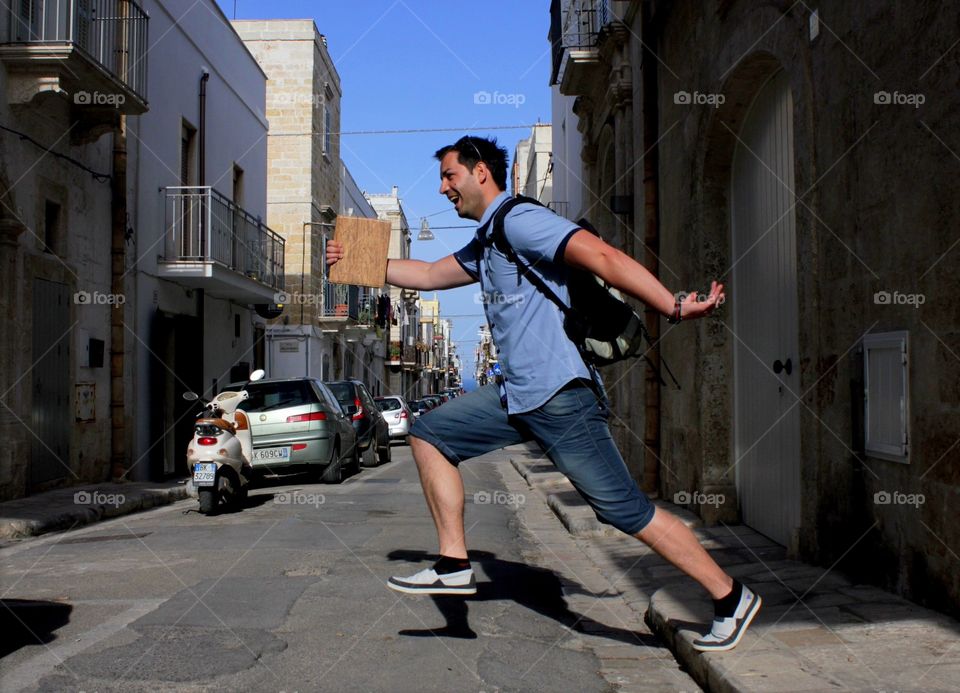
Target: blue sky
418	65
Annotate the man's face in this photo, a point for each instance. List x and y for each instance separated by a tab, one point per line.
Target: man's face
460	185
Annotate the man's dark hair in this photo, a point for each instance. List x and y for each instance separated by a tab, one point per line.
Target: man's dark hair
471	150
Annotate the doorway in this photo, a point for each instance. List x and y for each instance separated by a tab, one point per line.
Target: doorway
764	293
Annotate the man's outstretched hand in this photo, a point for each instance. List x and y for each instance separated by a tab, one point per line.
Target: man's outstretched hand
334	252
695	306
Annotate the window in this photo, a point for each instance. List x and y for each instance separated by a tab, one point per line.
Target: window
886	413
188	135
51	227
327	135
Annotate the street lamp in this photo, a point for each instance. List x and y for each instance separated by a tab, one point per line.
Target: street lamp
425	233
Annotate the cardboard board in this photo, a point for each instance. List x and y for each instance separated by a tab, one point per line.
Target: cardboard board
366	243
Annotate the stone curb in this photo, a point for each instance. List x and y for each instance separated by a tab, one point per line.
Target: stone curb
67	508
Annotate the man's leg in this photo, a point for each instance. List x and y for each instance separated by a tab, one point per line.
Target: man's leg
443	489
673	540
572	429
463	428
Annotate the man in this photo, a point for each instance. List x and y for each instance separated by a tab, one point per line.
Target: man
548	394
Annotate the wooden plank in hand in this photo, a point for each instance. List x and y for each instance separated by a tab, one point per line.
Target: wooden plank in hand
366	243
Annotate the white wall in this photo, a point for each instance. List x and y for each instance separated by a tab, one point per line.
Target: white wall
568	174
185	40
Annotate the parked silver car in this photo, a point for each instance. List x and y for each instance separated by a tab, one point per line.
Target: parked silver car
298	423
398	414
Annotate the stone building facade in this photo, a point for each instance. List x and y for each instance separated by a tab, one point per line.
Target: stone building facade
806	160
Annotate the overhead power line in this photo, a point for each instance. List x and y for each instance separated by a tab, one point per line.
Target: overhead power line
405	131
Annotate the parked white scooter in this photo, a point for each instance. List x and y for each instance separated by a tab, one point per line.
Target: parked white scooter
220	451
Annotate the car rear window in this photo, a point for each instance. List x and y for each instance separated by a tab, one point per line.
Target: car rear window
342	391
388	404
268	396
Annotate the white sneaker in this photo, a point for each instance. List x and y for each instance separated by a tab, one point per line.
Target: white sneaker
726	632
429	582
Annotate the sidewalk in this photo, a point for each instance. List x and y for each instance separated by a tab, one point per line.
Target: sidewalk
817	631
66	508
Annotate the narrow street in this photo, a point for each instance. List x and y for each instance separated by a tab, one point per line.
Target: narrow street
290	595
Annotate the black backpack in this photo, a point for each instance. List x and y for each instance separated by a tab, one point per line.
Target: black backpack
604	328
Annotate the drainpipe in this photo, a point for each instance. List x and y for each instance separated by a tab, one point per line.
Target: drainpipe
651	191
202	180
118	205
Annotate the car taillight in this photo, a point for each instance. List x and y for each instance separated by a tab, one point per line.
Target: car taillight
403	415
359	412
207	440
299	446
314	416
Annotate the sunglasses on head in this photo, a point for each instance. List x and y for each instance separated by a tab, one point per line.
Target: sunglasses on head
470	142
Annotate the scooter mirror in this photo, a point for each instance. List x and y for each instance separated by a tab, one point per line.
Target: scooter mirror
257	375
191	396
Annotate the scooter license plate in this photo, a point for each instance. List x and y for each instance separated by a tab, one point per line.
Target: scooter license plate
271	454
204	473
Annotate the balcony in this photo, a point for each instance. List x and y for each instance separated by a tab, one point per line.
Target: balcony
212	244
579	55
94	51
362	325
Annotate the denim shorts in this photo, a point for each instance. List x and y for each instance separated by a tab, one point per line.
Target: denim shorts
571	427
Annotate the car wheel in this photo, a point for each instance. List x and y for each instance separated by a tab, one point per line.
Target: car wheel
384	451
369	458
333	472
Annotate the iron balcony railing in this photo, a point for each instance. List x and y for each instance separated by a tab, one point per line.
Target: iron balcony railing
582	22
340	301
111	32
560	208
204	226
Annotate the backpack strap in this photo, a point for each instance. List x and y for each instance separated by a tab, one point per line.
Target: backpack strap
498	238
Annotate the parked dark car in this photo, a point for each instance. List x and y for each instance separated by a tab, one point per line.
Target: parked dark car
373	434
297	423
436	400
419	406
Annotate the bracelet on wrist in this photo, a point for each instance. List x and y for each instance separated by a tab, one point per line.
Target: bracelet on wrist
676	316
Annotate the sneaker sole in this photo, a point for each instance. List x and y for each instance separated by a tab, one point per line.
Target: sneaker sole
729	645
431	590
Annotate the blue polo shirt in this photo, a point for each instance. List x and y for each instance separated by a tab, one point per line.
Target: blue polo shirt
536	356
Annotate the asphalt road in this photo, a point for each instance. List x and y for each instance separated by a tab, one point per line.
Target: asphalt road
289	594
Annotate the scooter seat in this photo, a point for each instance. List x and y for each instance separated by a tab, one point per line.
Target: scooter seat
219	423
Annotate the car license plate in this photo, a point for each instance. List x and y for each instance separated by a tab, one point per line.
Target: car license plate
204	473
271	454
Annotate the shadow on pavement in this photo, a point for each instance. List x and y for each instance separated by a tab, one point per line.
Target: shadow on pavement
30	622
535	588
